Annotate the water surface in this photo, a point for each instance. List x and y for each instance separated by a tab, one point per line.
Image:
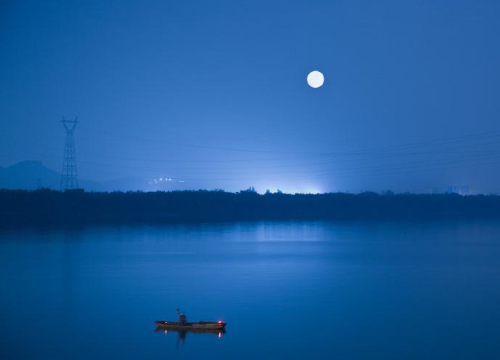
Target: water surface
306	290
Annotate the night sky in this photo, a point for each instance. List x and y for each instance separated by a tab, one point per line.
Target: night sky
213	94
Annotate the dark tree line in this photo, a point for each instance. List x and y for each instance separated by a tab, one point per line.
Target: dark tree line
70	208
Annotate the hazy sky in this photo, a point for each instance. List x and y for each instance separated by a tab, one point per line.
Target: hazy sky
214	93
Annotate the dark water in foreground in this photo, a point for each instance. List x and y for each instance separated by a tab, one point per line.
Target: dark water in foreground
287	291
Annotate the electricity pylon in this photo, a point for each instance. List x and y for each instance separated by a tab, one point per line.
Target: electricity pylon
69	177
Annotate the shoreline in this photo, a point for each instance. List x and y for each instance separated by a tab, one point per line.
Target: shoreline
49	208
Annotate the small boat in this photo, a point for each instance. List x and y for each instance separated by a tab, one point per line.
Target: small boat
218	332
194	326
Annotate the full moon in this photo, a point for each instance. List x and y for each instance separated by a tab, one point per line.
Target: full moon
315	79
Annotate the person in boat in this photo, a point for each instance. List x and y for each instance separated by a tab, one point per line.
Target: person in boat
182	317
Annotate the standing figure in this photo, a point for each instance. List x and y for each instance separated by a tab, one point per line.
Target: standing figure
182	317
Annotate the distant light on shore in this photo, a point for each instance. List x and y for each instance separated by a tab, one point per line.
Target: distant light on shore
294	190
164	180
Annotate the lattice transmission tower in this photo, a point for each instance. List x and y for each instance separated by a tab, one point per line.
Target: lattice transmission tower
69	177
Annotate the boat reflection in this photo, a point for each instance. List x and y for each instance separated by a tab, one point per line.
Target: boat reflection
182	334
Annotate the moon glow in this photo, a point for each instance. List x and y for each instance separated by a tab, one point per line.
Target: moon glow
315	79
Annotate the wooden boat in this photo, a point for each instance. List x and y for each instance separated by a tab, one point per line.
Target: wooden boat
194	326
218	332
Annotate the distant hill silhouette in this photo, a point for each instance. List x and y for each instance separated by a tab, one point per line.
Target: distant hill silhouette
79	208
29	175
32	174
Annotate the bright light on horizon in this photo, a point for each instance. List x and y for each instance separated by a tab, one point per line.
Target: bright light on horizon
287	190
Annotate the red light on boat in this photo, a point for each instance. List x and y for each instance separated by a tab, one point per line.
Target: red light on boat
166	322
220	322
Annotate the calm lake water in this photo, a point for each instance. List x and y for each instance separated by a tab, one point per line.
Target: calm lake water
308	290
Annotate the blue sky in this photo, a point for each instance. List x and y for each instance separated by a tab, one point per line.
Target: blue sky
214	93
